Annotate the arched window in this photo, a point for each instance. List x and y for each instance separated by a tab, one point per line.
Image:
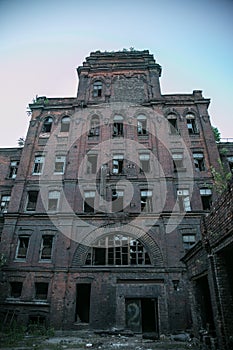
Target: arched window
191	124
117	126
65	124
172	120
118	249
97	89
94	127
47	125
142	125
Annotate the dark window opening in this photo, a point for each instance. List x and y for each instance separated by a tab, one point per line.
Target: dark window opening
146	201
32	200
94	128
117	129
41	290
38	165
91	164
16	289
13	169
89	202
46	247
206	202
191	124
5	201
142	126
117	166
199	161
97	89
47	126
173	125
188	241
230	163
83	302
22	247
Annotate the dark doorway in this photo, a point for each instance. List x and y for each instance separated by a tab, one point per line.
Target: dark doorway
142	315
83	302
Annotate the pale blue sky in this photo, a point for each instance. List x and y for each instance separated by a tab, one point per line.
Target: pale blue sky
43	42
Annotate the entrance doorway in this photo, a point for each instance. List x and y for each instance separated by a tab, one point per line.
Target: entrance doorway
142	315
83	293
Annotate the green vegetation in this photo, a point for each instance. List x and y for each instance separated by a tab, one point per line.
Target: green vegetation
221	177
217	134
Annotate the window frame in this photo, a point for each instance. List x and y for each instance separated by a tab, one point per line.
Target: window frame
59	163
183	197
13	169
142	125
53	200
199	162
65	126
191	124
4	204
32	208
46	257
146	200
87	207
97	89
38	165
47	125
18	248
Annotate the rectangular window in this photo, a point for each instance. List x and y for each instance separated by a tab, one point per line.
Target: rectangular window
13	169
177	161
38	165
191	124
22	248
206	198
91	164
53	200
173	126
199	161
146	201
117	164
117	201
46	247
41	290
32	200
144	162
183	200
188	241
117	129
89	202
16	289
60	165
142	126
5	201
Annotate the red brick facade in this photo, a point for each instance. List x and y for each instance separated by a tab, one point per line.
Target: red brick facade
109	193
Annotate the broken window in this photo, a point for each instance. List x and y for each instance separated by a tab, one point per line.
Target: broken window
191	124
46	247
60	164
22	248
41	290
92	163
97	89
117	164
65	124
117	126
32	200
117	200
141	125
206	198
177	161
144	162
199	161
5	201
146	201
172	120
38	165
94	127
16	289
188	241
53	200
183	200
13	169
47	125
89	202
118	250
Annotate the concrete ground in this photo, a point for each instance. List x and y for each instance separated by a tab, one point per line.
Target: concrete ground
90	340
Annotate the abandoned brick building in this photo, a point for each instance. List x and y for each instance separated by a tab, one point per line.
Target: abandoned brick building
110	189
